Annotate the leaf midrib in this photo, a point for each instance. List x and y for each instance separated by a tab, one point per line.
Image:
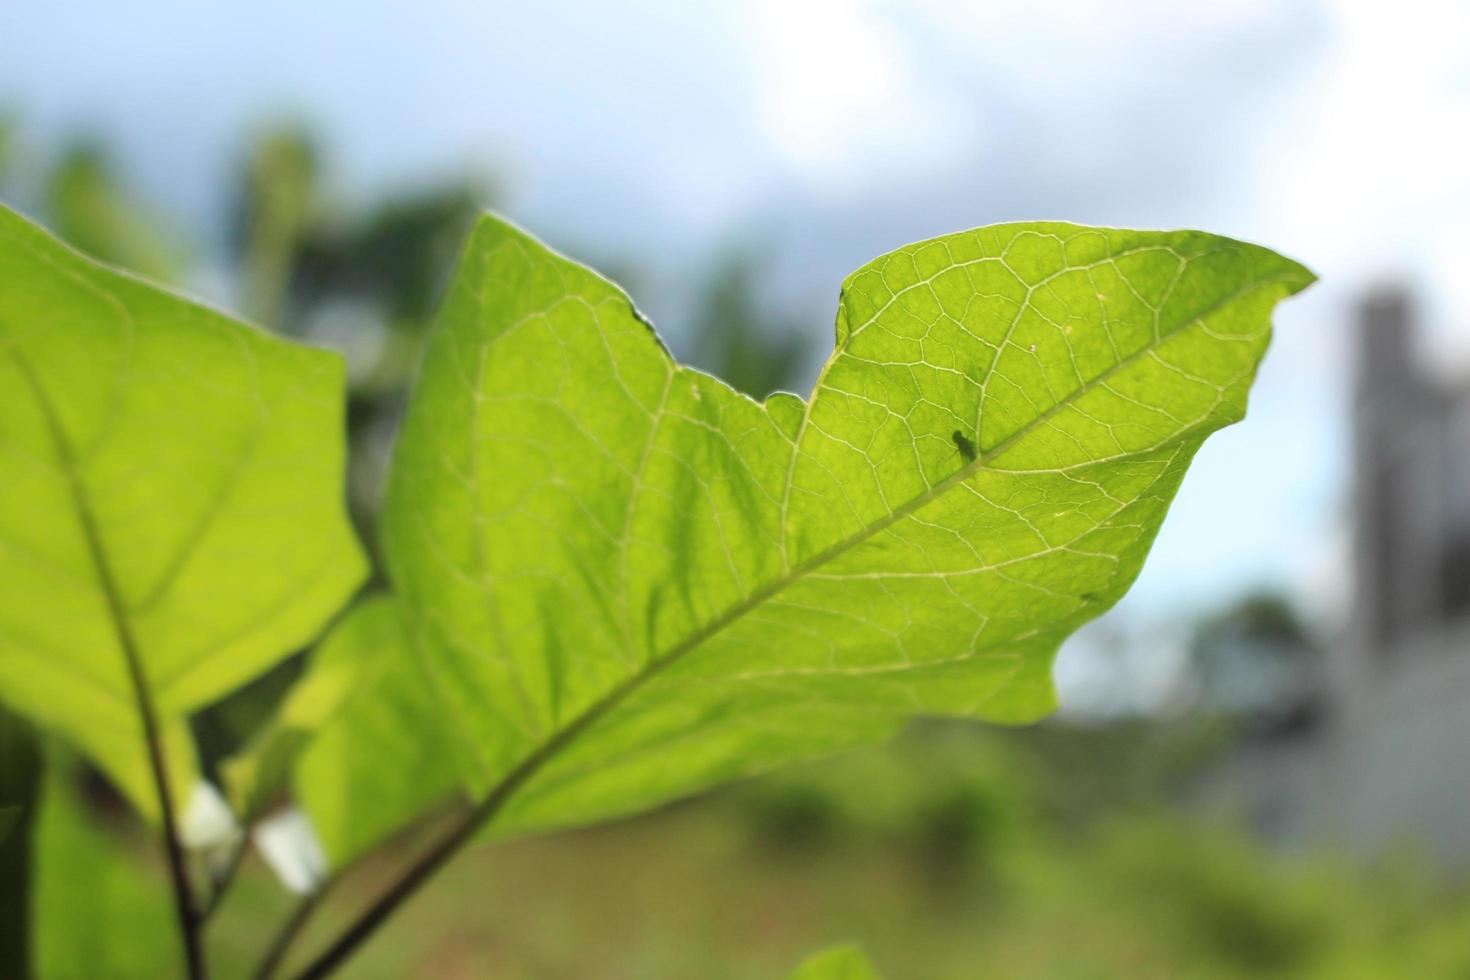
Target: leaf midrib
96	552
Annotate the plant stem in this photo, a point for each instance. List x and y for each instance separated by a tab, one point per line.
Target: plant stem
224	881
421	871
482	813
184	904
188	917
468	826
293	926
485	811
281	945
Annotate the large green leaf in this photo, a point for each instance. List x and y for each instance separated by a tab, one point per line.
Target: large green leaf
170	491
629	581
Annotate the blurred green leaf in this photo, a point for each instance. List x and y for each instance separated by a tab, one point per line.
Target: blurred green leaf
93	213
340	667
278	205
7	145
382	759
839	963
101	906
737	340
360	732
629	582
173	496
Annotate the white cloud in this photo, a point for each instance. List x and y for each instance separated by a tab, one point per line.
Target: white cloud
841	98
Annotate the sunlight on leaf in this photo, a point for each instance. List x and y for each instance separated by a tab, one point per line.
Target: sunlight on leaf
628	582
380	759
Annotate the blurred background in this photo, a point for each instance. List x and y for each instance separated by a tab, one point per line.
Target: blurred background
1262	762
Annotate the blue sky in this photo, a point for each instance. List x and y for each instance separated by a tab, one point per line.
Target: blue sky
1338	133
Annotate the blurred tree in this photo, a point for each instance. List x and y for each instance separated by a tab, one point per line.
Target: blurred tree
88	208
7	148
276	205
369	286
365	282
1256	661
398	256
735	337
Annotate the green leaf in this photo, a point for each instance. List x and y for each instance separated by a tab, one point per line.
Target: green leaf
369	730
629	582
341	667
92	212
172	493
838	963
101	908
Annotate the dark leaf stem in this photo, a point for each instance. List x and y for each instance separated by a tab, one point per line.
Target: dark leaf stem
292	928
226	878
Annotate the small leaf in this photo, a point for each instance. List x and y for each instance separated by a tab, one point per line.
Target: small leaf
838	963
343	665
381	758
172	494
95	215
628	582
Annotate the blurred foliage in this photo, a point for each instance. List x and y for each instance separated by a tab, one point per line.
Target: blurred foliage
398	255
952	854
1257	662
89	209
735	338
277	204
99	895
7	144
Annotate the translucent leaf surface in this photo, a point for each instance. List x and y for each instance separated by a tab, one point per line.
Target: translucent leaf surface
629	581
170	488
343	666
381	758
